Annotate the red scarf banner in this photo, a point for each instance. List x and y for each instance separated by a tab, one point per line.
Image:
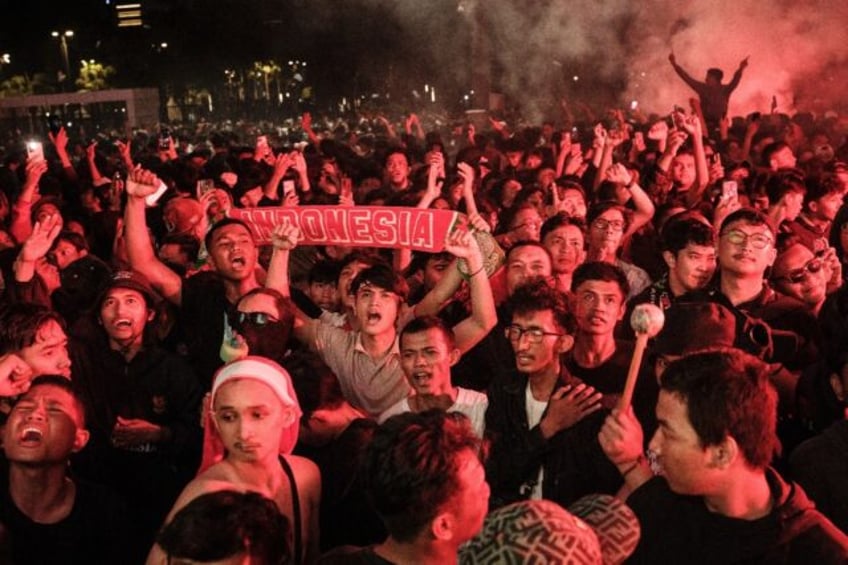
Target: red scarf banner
357	226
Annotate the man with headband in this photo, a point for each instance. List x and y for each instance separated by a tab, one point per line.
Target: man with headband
250	431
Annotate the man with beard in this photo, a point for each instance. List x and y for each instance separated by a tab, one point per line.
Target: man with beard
50	516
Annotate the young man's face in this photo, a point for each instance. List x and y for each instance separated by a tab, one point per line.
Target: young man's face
64	253
249	418
233	252
324	294
574	203
44	427
745	249
683	170
606	231
826	207
783	159
124	314
397	169
426	359
48	355
692	267
526	224
565	245
793	202
598	306
376	309
535	355
434	270
347	275
800	274
685	462
524	263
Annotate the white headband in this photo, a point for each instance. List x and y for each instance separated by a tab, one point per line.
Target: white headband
259	369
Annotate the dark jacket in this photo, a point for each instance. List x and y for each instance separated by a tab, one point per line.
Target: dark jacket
573	462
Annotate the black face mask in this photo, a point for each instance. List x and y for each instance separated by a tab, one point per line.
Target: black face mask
263	336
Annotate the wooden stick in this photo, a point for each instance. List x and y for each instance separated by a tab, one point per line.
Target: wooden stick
633	371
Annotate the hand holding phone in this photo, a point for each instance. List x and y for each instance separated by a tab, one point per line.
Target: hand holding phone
729	190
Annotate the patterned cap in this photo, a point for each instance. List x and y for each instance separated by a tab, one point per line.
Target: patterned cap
599	529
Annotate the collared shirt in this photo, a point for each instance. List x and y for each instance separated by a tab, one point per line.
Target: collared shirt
373	385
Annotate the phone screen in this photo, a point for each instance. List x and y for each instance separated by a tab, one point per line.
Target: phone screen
35	151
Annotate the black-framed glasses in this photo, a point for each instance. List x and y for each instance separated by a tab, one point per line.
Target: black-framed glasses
758	240
797	276
604	225
237	319
534	335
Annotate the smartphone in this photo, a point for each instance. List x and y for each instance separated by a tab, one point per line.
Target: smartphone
729	190
204	186
152	199
634	104
35	151
288	187
54	123
164	139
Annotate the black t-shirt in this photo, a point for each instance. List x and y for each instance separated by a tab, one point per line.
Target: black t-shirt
94	532
353	556
680	529
204	305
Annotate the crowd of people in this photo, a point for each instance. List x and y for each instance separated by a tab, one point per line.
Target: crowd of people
172	388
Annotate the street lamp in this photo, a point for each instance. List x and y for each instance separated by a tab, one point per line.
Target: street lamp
63	47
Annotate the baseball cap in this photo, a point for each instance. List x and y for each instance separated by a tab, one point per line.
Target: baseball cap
597	529
690	326
132	280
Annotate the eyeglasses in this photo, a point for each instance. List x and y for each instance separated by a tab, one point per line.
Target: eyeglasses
604	225
534	335
255	318
758	240
797	276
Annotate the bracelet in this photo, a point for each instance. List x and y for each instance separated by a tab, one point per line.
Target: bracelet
469	276
633	467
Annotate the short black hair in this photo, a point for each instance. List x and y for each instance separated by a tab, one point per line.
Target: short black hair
411	470
599	208
424	323
749	216
600	271
819	186
222	224
225	523
680	232
561	219
536	295
728	393
324	271
20	323
381	276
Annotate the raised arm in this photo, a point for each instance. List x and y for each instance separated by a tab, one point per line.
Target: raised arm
21	224
483	316
694	84
737	76
284	239
692	125
644	207
140	184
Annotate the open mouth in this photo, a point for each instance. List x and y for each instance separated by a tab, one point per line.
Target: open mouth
239	262
123	323
31	436
374	317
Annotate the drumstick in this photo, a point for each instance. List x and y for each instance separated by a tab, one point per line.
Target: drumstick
647	320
